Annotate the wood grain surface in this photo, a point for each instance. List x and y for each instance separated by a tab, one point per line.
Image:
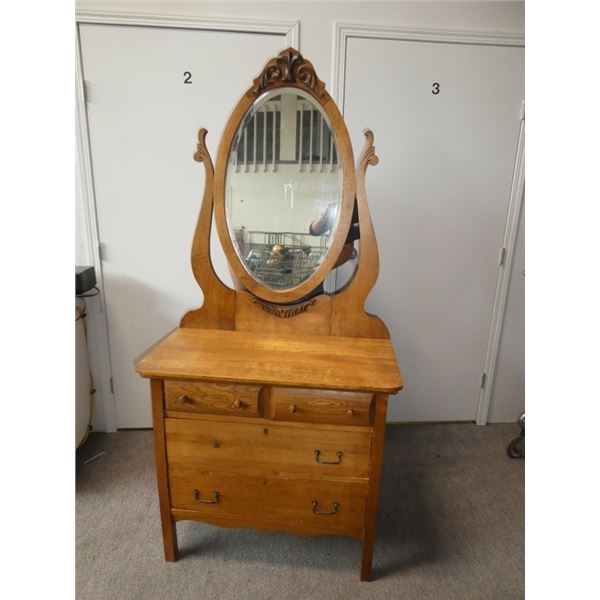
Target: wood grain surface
271	500
348	315
218	307
275	449
320	406
169	530
250	316
370	519
213	398
313	361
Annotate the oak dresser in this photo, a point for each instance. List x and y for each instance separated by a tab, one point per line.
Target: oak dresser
269	402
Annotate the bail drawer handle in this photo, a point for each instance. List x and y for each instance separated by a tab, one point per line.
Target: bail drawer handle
328	462
199	500
315	504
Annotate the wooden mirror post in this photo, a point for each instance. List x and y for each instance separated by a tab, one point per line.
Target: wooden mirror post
269	409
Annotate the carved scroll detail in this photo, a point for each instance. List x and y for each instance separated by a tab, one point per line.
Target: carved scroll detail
368	156
284	312
289	67
201	154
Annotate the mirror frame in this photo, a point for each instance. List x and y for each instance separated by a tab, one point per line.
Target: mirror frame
288	70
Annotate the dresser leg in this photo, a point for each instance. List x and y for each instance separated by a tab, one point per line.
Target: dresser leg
370	521
367	557
169	530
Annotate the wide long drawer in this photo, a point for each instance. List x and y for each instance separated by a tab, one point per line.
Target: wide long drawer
312	507
277	448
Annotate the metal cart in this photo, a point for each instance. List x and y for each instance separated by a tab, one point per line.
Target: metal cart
516	449
281	260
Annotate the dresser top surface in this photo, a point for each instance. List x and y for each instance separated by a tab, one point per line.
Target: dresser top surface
311	361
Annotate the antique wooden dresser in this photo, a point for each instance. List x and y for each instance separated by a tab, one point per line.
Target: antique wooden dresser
269	401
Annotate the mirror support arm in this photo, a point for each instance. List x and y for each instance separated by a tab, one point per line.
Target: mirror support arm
218	309
351	300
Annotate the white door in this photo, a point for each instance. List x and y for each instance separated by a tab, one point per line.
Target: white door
143	120
446	122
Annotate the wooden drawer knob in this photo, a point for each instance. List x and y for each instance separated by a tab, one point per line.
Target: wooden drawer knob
238	404
293	408
184	399
350	413
215	444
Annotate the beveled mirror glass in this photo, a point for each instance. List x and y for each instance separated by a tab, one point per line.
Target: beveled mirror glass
283	188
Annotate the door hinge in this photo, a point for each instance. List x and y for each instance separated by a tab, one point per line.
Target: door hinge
112	389
87	90
483	378
502	256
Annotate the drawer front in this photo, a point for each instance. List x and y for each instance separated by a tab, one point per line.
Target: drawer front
321	406
298	505
272	448
213	398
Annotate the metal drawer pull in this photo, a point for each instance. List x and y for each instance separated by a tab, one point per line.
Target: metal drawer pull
327	462
314	508
197	498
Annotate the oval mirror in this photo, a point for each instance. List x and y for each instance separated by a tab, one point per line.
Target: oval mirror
283	188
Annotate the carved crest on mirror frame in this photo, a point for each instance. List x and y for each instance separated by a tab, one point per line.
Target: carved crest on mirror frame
289	67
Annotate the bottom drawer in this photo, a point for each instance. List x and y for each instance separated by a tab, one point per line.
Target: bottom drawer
299	506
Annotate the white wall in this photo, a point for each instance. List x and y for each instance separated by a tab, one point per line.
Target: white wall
316	18
252	194
316	39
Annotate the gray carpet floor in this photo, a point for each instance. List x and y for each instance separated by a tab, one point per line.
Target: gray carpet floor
450	526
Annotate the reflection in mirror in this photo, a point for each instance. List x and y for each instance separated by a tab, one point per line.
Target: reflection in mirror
283	188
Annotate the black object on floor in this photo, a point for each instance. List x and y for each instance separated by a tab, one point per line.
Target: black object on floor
85	279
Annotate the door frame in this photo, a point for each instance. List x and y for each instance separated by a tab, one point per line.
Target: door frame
506	259
342	31
99	346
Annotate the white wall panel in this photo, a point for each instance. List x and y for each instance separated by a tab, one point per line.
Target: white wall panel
143	121
439	199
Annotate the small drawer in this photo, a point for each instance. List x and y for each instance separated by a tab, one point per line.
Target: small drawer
321	406
213	398
302	506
